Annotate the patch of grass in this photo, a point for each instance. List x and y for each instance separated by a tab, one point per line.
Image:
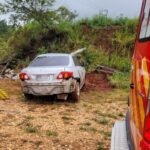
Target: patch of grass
106	133
105	114
51	133
100	113
66	118
29	117
87	123
121	115
112	116
31	129
88	129
102	121
100	145
120	80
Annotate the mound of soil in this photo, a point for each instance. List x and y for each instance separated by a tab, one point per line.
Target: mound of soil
97	81
101	37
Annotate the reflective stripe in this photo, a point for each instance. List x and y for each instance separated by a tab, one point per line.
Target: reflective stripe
140	99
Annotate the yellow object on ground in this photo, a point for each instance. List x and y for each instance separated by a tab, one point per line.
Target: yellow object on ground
3	95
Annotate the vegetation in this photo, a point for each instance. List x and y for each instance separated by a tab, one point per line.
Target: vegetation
37	28
120	80
31	129
51	133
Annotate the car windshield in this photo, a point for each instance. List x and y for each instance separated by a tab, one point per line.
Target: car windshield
50	61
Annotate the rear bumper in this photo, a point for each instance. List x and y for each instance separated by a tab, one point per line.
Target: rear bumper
40	89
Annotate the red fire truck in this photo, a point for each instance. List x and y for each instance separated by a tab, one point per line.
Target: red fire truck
134	133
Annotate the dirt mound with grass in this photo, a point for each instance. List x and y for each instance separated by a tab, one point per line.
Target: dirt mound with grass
97	82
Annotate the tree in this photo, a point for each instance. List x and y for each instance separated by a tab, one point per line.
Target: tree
3	27
29	10
65	14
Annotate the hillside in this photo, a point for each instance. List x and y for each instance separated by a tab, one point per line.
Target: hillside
100	35
108	41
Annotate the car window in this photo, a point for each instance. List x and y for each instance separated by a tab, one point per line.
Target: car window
76	61
145	26
50	61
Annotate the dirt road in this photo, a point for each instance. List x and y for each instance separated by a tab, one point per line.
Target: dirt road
44	124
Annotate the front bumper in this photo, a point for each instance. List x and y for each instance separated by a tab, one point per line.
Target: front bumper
40	89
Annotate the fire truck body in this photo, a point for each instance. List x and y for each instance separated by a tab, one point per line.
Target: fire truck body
138	122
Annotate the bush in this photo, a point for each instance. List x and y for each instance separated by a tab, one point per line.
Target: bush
96	57
120	80
120	63
5	51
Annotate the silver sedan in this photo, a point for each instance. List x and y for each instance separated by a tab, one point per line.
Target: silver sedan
53	74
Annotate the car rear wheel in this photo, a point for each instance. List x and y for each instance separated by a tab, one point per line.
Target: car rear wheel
28	96
75	96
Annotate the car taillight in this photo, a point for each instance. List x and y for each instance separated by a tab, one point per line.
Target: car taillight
24	76
65	75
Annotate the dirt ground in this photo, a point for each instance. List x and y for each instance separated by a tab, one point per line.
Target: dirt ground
44	124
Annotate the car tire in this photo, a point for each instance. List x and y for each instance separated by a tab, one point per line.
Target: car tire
75	95
28	96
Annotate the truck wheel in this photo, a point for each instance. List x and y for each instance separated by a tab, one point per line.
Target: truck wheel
28	96
75	96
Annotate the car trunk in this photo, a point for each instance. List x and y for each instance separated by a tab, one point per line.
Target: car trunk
44	74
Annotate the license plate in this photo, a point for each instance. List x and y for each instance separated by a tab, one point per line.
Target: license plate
43	77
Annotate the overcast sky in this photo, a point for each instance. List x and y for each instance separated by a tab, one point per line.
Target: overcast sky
88	8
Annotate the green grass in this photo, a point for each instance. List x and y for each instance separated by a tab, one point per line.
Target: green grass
105	114
51	133
31	129
87	124
106	134
66	118
121	114
102	121
120	80
100	145
29	117
88	129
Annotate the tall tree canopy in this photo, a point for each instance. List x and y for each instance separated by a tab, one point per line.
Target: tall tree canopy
35	10
28	10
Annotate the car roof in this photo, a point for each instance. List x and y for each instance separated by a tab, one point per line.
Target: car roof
54	54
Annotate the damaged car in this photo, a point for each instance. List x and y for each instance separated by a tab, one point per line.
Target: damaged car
56	74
